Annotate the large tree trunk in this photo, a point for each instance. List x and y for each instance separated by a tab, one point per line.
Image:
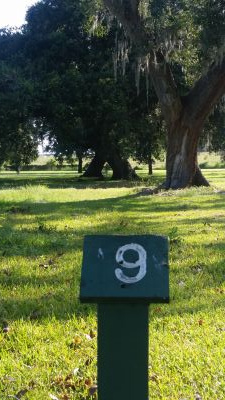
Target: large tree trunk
181	163
121	167
150	168
80	155
94	170
18	169
80	164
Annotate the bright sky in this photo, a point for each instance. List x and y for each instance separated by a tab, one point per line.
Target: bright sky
12	12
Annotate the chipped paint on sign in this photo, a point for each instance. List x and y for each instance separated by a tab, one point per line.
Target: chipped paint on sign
100	253
141	263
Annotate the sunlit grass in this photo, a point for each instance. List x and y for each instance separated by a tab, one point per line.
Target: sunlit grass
48	339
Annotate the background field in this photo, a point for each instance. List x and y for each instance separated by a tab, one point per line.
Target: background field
48	339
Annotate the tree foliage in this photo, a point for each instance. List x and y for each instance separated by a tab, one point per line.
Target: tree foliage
185	33
18	138
71	70
75	89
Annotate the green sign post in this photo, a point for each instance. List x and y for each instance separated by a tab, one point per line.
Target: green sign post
123	275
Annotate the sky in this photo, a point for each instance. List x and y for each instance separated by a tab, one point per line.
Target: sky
12	12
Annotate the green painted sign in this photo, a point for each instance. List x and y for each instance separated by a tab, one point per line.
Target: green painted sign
123	351
123	274
125	269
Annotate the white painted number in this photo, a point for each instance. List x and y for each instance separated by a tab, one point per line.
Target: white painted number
141	263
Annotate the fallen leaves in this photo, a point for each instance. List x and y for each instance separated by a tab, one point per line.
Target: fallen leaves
158	310
92	334
88	361
35	314
64	396
7	272
5	327
198	268
221	329
220	290
64	382
21	393
93	390
154	378
49	263
53	397
73	382
88	382
79	380
76	342
78	339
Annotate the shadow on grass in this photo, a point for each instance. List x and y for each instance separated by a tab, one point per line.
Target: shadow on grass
40	293
60	306
32	229
130	202
55	292
57	295
70	180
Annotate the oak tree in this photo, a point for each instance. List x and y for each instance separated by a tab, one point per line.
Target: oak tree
191	33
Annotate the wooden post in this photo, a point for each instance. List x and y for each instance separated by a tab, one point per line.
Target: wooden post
123	274
122	351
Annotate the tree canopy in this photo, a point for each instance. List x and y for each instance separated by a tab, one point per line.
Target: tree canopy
190	33
76	91
18	134
98	84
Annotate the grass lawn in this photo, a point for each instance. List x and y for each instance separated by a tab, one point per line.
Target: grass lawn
48	339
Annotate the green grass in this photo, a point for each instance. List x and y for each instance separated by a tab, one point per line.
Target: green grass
42	159
205	159
210	160
48	339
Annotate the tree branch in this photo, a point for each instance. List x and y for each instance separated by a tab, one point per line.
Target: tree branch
166	89
206	92
127	12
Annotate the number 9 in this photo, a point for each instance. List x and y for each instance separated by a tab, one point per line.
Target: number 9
141	262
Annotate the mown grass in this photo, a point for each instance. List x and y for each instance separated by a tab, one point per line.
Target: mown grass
48	339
